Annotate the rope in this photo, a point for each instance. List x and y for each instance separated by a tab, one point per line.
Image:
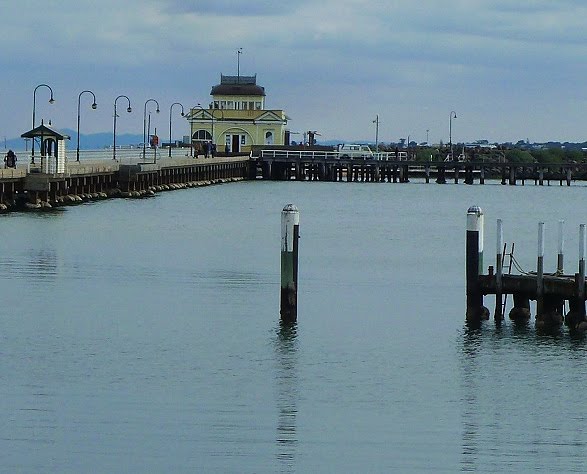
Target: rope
519	268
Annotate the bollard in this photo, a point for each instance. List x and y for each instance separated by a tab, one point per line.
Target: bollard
290	233
560	261
498	316
575	318
540	272
474	264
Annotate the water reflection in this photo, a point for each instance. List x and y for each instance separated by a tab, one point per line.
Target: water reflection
470	434
286	351
36	265
515	384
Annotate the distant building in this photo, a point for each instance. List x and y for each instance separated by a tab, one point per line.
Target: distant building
236	119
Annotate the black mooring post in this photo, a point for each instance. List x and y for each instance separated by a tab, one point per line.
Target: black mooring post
290	234
476	312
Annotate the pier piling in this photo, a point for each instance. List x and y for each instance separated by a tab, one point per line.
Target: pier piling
290	233
474	264
560	261
498	314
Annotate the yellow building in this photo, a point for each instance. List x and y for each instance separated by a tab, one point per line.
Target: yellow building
236	119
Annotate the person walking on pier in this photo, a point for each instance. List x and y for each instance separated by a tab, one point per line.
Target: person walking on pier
10	160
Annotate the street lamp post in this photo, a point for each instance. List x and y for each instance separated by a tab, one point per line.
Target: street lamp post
452	115
376	122
94	105
145	125
51	100
427	130
129	110
182	114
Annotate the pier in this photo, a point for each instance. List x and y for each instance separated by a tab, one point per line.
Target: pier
396	168
552	292
30	188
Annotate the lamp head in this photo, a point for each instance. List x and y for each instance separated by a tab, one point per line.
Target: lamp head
157	110
182	114
94	106
129	110
51	100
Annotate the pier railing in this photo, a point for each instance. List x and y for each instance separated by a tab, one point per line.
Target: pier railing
330	155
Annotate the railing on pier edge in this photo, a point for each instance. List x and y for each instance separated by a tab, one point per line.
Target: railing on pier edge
378	169
330	155
46	183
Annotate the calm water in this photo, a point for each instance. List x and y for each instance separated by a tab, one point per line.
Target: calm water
144	336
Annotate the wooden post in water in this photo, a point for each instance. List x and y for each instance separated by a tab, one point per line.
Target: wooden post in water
560	261
512	179
548	307
540	273
568	176
482	175
290	234
581	289
498	316
440	175
576	319
474	265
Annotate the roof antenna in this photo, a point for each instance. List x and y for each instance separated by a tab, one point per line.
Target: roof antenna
238	64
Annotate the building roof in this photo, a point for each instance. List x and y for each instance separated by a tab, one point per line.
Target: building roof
44	131
238	85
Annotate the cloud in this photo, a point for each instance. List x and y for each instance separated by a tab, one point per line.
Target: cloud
228	8
397	55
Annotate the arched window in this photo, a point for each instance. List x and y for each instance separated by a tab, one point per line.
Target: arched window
201	135
268	138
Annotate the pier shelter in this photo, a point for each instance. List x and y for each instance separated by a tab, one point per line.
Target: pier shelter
236	118
53	155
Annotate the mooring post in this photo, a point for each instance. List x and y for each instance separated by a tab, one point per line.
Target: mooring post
560	261
512	179
482	175
581	292
474	266
540	273
568	176
290	234
498	316
575	318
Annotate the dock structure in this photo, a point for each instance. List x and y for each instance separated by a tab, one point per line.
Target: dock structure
396	168
32	188
552	292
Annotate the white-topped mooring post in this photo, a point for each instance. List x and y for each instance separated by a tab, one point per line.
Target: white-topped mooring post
582	262
540	272
499	272
474	265
290	234
576	318
561	248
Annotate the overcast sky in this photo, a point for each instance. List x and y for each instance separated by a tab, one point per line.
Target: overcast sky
509	69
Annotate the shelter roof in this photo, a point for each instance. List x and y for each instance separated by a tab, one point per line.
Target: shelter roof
44	131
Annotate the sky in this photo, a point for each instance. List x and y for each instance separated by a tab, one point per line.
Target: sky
510	70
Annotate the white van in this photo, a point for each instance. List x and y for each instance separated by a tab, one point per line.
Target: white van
355	151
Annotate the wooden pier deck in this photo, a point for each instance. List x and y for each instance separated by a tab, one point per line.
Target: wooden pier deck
329	166
551	292
95	179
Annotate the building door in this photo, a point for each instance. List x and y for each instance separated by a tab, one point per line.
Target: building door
236	142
